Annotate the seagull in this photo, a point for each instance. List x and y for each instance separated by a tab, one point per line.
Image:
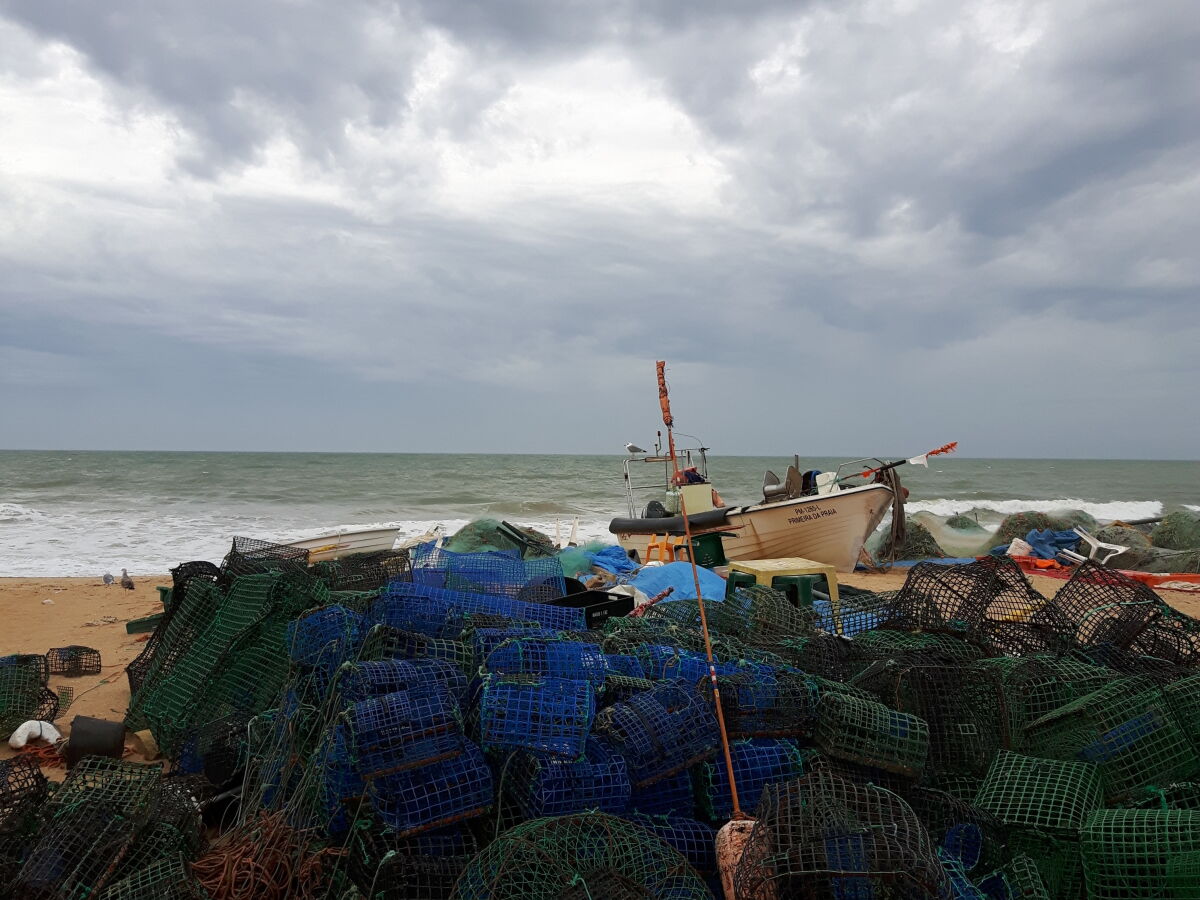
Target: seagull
126	581
634	448
108	579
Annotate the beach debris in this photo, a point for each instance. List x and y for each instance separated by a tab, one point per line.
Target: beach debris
34	730
126	581
108	579
47	602
103	620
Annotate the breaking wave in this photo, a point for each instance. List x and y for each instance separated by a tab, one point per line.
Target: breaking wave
1103	512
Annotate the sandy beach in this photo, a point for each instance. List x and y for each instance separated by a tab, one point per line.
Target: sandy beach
85	611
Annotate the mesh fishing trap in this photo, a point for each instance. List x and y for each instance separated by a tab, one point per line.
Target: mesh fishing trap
1126	728
544	784
1129	852
660	731
871	734
1054	796
426	867
820	836
578	857
757	763
73	661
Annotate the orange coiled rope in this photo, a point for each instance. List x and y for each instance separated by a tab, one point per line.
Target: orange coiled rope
264	860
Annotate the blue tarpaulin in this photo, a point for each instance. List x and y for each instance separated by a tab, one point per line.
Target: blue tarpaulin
651	580
614	559
1047	543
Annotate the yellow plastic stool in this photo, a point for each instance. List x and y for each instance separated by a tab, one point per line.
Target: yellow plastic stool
666	547
766	570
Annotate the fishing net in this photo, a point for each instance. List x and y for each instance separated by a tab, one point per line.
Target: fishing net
542	784
1020	524
757	763
870	734
1178	530
1126	729
820	836
576	857
660	731
1053	796
73	661
1130	852
917	543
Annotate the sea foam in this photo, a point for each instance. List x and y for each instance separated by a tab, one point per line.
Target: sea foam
1104	512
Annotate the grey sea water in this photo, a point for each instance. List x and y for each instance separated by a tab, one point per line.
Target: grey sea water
83	513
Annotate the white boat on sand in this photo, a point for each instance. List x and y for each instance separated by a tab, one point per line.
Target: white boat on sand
811	517
337	544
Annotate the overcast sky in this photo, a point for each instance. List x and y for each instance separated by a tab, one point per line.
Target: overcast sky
850	227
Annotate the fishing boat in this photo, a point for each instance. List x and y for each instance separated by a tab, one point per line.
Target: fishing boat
821	517
337	544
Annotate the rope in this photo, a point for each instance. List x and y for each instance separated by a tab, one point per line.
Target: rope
265	861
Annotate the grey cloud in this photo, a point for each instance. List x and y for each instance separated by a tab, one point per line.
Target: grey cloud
925	220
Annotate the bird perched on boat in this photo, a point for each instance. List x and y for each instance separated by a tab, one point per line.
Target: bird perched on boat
108	579
634	448
126	581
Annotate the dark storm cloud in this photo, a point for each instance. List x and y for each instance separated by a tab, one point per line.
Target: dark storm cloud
879	216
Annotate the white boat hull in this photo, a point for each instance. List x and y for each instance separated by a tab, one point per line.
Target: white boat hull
343	543
830	528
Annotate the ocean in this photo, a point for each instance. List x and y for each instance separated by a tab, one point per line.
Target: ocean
86	513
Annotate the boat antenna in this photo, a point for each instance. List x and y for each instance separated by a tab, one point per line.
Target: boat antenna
664	400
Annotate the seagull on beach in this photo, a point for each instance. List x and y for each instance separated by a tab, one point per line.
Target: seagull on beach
634	448
108	579
126	581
